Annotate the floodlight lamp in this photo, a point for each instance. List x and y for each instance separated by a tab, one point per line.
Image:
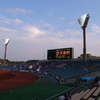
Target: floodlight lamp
6	41
83	21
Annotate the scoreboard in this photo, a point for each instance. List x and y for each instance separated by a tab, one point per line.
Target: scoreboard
62	53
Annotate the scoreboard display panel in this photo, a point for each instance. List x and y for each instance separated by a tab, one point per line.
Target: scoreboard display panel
62	53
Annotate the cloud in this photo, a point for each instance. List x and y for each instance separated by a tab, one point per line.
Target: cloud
18	11
6	29
52	12
32	32
6	22
94	33
95	28
17	21
10	21
12	34
68	34
34	41
71	23
38	32
62	18
44	25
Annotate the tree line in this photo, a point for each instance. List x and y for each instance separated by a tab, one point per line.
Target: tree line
30	61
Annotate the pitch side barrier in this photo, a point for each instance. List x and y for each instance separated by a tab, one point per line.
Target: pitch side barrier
71	90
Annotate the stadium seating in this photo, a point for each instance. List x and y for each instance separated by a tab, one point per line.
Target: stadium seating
89	93
97	92
64	68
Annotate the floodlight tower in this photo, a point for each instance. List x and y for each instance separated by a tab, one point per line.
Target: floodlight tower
6	41
83	21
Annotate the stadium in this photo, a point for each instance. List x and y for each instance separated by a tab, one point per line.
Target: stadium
52	55
48	79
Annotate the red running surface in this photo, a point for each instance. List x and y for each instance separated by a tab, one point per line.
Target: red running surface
12	79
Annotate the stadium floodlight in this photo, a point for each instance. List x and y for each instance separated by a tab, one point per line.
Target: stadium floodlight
6	41
83	21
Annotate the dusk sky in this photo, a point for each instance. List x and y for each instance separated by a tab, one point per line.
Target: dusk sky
34	26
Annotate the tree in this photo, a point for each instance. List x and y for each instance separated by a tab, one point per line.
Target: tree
87	55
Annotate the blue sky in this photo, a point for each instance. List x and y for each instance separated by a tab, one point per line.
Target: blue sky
34	26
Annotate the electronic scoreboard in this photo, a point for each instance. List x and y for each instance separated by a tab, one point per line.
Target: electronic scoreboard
62	53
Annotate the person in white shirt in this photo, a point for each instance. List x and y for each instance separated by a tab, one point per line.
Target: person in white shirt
62	97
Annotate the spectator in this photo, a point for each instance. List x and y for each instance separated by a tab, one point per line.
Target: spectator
69	96
65	96
96	81
62	97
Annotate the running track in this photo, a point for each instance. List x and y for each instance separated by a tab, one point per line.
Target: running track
12	79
